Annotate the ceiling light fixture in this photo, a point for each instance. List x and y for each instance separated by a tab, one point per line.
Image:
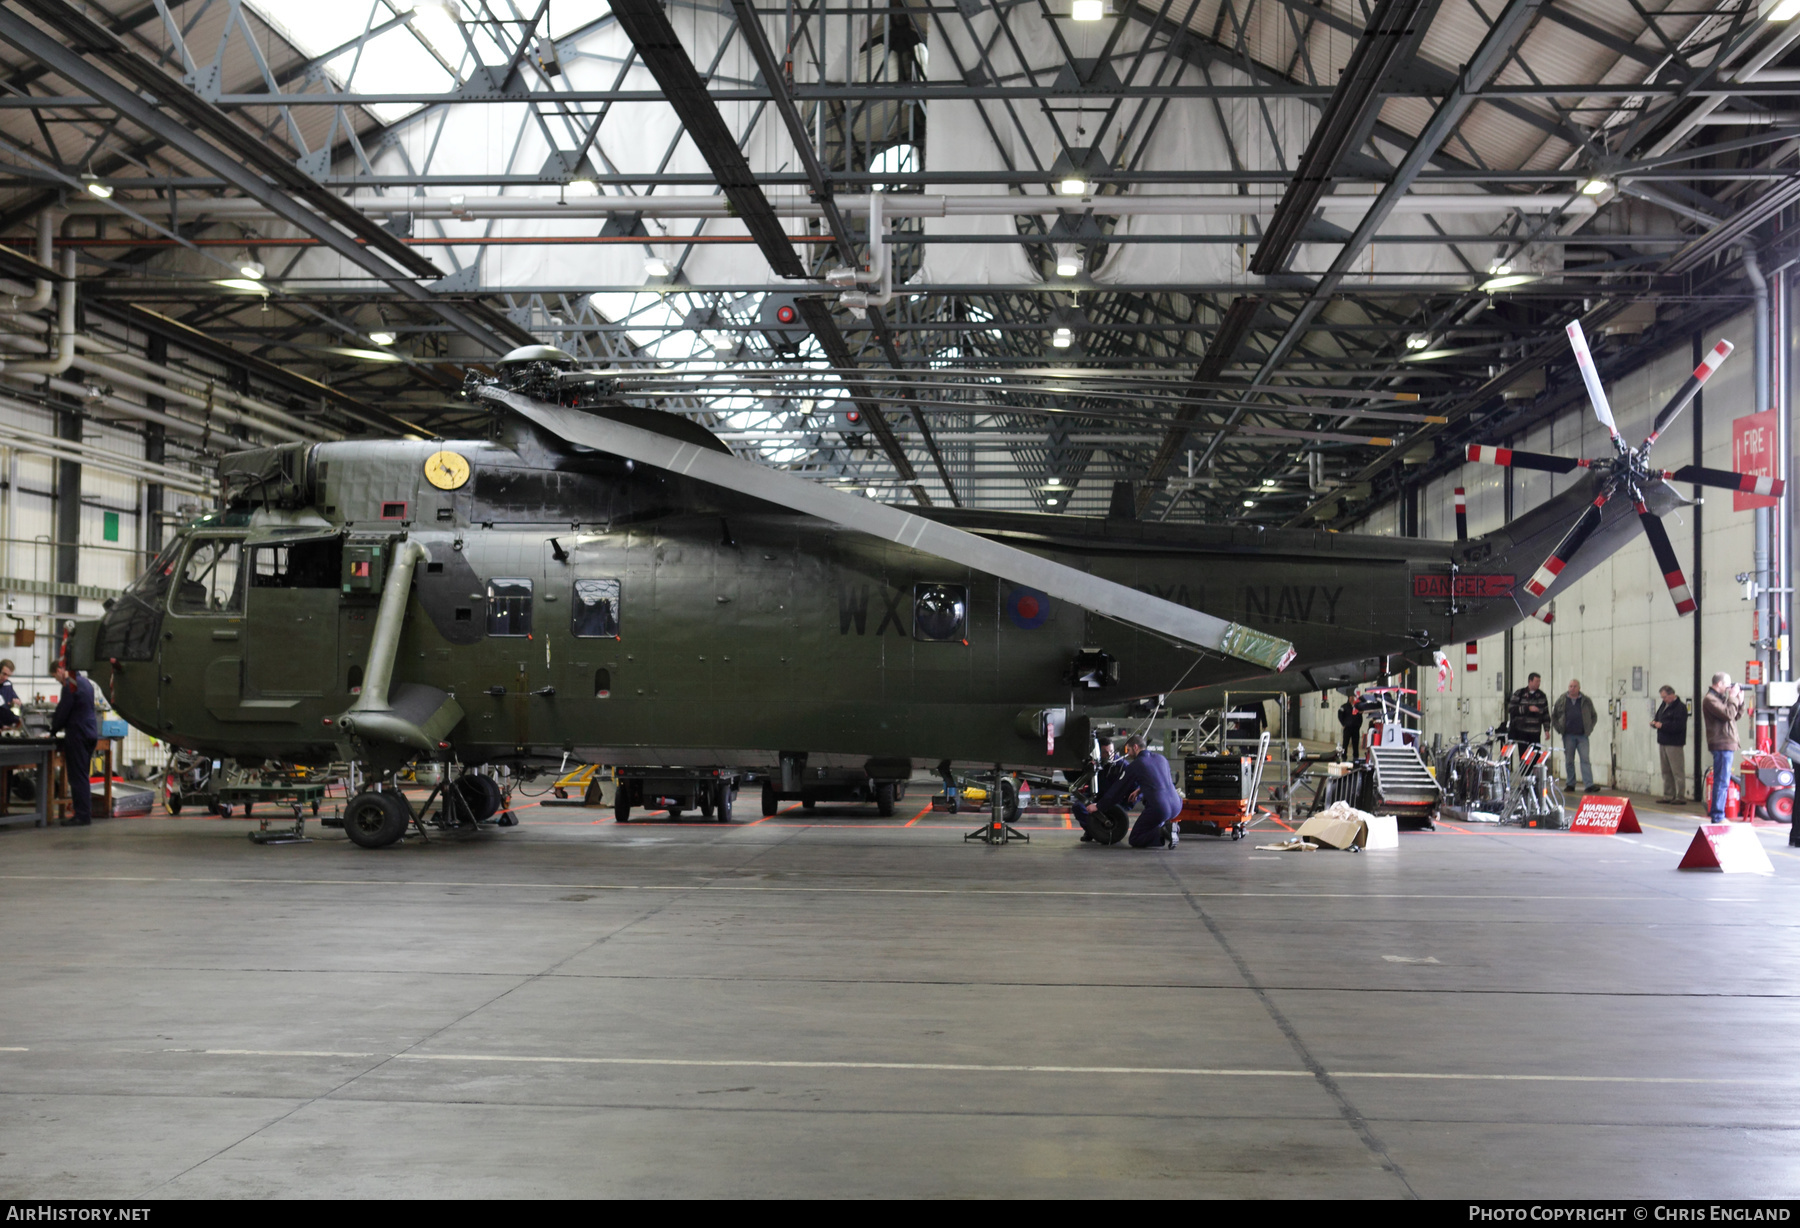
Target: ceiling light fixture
97	189
1787	10
1073	187
1597	185
251	270
1088	10
1070	266
656	266
1062	338
1506	283
1417	341
1500	268
380	337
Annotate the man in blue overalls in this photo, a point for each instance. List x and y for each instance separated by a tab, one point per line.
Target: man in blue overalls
1147	774
75	719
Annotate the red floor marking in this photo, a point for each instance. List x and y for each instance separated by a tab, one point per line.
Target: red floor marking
918	816
1461	831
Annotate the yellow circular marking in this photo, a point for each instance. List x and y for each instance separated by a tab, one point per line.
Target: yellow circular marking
446	470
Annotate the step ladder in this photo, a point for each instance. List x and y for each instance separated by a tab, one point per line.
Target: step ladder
1403	787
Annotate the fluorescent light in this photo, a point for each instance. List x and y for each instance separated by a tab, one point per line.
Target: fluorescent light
242	283
1787	10
95	188
1094	10
1595	186
1500	268
656	266
382	338
1428	355
1417	341
1507	283
1069	266
252	270
1073	187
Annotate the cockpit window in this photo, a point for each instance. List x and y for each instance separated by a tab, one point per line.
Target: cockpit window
509	607
595	613
210	580
161	574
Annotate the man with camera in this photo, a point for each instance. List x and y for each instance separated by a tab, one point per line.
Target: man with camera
1722	708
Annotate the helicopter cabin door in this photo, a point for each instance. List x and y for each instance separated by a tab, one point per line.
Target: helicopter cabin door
292	626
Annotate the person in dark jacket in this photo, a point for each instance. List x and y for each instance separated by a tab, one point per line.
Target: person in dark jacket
1721	708
1147	774
1107	770
1671	723
76	720
1526	711
9	698
1351	718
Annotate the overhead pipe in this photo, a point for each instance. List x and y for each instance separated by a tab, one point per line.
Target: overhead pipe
280	423
65	329
1748	72
37	443
39	297
880	272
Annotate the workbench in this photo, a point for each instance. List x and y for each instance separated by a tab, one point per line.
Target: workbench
18	753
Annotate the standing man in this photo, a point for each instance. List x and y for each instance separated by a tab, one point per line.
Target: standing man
9	698
1146	773
1526	710
1721	709
74	718
1670	723
1574	717
1351	718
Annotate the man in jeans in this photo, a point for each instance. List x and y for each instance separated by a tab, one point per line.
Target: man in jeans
1574	717
1722	707
1670	723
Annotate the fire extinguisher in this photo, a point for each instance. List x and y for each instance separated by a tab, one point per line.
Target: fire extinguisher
1731	801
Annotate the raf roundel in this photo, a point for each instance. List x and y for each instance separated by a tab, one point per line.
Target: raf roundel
1028	608
447	470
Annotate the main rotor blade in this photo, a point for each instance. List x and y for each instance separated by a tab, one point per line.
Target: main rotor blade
1726	479
1584	359
892	524
1714	357
1666	562
1565	550
1483	454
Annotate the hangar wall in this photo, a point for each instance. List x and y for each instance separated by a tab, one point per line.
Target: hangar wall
1615	629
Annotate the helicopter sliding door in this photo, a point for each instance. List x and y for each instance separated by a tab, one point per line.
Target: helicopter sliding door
293	624
201	669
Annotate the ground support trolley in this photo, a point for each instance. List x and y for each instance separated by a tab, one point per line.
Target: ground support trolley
295	795
711	791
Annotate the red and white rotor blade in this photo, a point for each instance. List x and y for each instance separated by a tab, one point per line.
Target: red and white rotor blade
1584	358
1666	562
1483	454
1572	541
1727	479
1714	358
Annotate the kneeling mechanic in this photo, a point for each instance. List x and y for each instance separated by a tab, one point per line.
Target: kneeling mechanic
1147	774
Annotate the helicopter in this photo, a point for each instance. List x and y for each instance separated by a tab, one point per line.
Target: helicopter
599	580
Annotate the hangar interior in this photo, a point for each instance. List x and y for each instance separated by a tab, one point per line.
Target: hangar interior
1257	265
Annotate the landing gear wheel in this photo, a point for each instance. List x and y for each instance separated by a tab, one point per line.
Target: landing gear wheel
884	798
722	802
771	803
1110	825
1009	799
480	793
222	809
706	803
622	803
376	820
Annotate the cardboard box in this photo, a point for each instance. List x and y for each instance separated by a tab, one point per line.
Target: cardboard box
1334	831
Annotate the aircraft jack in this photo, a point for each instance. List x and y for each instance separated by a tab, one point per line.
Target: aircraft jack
1003	800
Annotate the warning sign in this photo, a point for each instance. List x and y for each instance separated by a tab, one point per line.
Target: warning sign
1755	449
1604	816
1731	848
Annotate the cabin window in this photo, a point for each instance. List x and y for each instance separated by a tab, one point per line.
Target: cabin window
211	579
509	607
940	612
311	564
595	612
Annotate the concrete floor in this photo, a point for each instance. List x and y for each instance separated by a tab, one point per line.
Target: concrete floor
850	1006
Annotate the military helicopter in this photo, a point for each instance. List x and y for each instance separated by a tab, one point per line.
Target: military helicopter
602	581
